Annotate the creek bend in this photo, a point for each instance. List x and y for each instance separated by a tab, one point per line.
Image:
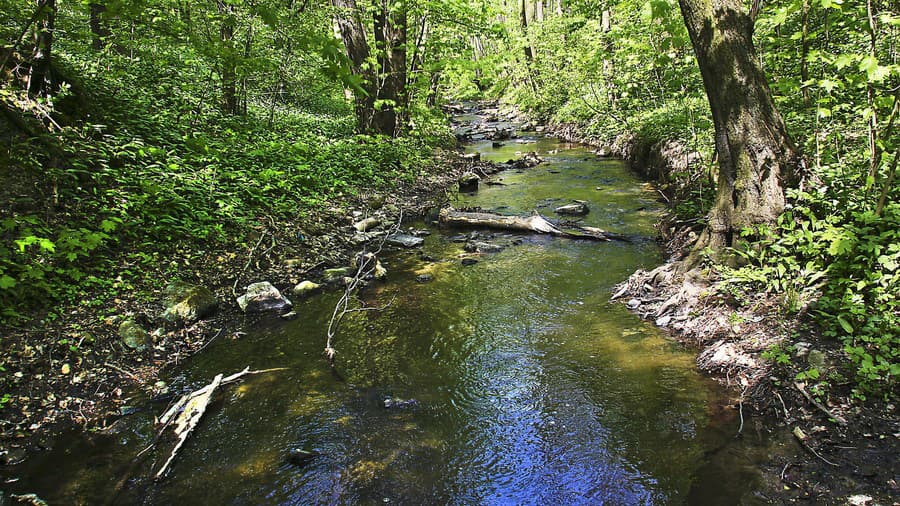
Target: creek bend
531	387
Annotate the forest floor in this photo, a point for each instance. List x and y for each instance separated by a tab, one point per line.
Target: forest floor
76	371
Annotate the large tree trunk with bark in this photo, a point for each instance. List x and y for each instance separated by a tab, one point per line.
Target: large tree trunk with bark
229	63
390	38
40	76
353	33
99	31
757	159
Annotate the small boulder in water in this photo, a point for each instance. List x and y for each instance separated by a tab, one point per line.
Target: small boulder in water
577	208
262	297
405	240
305	288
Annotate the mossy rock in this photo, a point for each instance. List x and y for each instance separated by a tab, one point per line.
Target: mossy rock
187	303
134	336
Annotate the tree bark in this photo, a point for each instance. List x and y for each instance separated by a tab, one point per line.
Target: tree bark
99	31
228	65
40	77
390	39
534	223
757	158
353	33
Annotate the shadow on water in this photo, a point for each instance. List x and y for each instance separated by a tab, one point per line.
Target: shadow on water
530	387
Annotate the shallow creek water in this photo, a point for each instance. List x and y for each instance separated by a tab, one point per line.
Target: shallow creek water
531	387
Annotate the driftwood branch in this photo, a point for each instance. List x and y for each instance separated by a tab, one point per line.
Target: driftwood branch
186	413
535	224
367	265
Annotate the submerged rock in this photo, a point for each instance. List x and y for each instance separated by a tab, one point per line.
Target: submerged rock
134	336
528	160
262	297
577	208
469	261
305	288
300	457
187	303
337	274
483	247
404	240
395	403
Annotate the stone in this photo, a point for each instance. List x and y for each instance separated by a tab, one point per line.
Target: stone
134	336
404	240
496	144
305	288
468	182
188	303
337	274
424	278
482	247
13	456
395	403
502	134
633	304
300	457
366	224
663	321
816	358
262	297
573	209
469	261
380	273
376	201
472	157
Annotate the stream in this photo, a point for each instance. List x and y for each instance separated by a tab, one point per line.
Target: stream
511	381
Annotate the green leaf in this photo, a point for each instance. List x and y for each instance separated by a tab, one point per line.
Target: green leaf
845	325
7	282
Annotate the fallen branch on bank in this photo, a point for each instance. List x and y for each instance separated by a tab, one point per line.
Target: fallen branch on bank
535	224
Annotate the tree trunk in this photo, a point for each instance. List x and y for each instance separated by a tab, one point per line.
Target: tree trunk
40	78
390	38
534	223
99	32
229	66
757	158
349	24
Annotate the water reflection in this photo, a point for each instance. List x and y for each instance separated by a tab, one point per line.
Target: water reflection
530	386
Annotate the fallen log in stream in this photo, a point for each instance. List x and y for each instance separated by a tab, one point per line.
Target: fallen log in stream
535	224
